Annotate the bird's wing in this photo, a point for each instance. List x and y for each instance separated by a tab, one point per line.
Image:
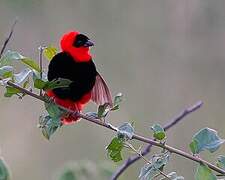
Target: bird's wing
100	93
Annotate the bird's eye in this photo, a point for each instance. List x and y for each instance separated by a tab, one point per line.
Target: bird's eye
78	43
80	40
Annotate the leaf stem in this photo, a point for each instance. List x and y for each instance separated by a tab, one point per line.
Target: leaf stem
25	91
131	160
144	158
137	152
151	142
41	64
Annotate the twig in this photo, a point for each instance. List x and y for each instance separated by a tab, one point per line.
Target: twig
178	152
96	121
131	160
25	91
8	38
145	159
183	114
40	64
137	152
135	136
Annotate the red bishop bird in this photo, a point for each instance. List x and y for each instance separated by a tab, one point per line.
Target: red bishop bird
75	63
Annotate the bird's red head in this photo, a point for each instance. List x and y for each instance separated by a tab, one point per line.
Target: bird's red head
77	45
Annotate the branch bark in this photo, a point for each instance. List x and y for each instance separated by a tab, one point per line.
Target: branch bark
135	136
149	141
131	160
41	64
8	38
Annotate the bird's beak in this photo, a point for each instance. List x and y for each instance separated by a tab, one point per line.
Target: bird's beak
88	44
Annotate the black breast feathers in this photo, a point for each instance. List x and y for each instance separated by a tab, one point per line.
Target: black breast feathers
83	75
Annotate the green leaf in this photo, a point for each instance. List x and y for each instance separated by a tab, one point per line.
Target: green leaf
37	75
47	85
159	132
148	171
8	75
194	146
103	110
114	149
39	84
9	57
203	172
4	172
10	91
50	52
26	83
49	125
117	101
221	162
31	64
57	83
54	110
205	139
125	131
4	82
20	77
173	176
5	70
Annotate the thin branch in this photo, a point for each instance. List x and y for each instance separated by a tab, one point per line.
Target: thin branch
183	114
40	64
8	38
131	160
137	152
178	152
145	159
103	124
135	136
25	91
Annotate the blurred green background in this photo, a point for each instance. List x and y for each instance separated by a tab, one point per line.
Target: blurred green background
162	55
